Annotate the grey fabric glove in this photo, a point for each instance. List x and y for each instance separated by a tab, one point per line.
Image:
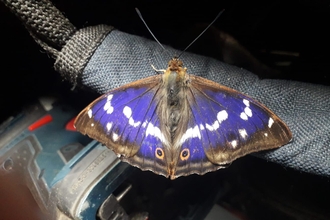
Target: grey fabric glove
123	58
101	59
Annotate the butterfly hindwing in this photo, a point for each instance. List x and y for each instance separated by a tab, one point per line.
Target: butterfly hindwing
192	157
125	120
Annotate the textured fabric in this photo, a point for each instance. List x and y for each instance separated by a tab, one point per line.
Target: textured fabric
123	58
46	24
50	29
74	56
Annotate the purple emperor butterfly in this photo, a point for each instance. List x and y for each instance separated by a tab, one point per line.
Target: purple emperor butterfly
176	124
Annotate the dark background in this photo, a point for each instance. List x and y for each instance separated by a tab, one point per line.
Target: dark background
298	28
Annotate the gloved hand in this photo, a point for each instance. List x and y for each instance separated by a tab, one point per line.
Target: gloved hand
123	58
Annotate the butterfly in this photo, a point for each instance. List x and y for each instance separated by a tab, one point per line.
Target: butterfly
177	124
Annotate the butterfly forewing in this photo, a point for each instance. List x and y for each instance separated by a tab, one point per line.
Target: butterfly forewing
125	120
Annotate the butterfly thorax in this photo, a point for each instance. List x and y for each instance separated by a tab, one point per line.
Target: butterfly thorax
172	108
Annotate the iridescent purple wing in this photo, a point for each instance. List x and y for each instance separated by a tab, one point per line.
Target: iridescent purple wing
225	125
125	120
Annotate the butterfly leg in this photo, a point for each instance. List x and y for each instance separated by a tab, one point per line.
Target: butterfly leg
158	71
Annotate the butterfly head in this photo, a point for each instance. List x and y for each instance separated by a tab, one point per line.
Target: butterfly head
175	64
175	71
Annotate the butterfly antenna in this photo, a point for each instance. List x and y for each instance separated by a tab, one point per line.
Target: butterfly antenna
202	32
140	15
